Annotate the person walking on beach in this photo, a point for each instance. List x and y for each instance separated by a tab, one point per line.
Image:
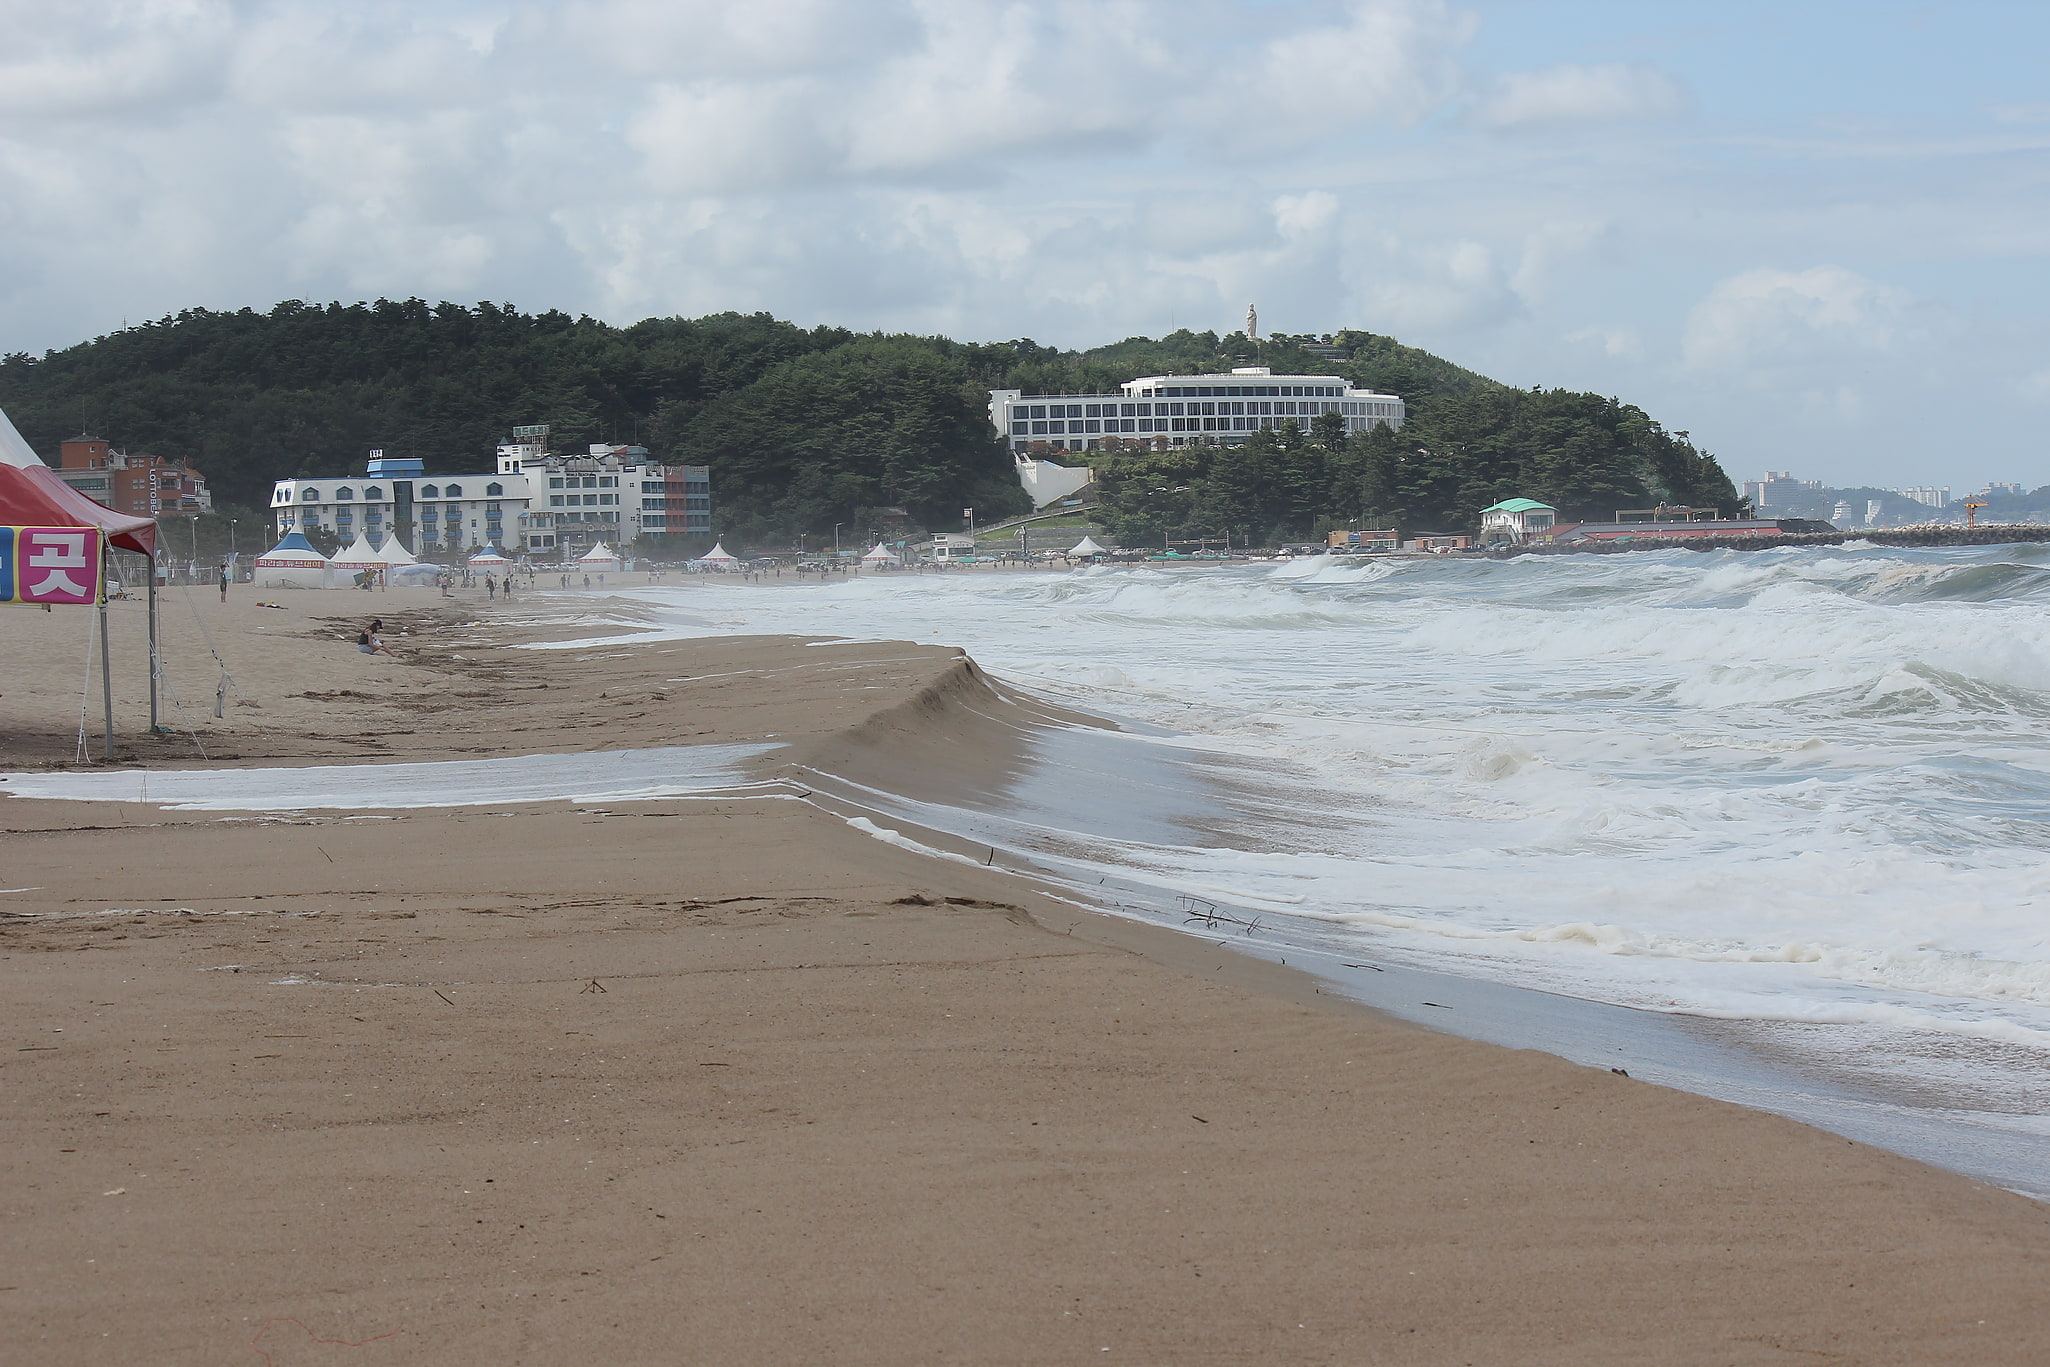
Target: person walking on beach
490	587
224	582
508	588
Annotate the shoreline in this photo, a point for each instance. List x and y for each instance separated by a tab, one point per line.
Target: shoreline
288	1095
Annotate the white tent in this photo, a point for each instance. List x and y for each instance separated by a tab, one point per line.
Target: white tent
293	563
598	560
1086	546
487	558
881	556
13	450
394	551
358	556
717	556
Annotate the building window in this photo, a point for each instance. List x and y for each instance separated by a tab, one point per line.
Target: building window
429	491
344	494
453	491
555	500
494	490
373	493
555	482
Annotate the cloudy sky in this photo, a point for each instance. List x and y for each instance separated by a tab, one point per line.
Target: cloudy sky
1813	234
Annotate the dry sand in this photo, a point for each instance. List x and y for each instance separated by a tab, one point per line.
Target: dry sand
729	1082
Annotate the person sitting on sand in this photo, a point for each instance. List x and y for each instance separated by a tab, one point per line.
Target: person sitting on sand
370	643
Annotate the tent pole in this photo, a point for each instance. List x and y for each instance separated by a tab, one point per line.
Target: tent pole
106	666
155	665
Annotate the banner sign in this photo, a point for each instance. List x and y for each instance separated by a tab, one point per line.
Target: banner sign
49	565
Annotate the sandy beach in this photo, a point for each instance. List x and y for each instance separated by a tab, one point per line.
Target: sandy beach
724	1079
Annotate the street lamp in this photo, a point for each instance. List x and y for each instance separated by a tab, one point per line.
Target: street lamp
836	537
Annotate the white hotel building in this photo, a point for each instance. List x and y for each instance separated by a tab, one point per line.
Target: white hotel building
536	504
1176	410
1170	410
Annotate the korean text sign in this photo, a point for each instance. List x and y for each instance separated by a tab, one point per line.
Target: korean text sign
49	565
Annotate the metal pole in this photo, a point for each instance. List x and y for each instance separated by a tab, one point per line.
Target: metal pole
106	667
155	662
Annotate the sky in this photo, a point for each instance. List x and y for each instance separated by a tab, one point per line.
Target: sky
1816	235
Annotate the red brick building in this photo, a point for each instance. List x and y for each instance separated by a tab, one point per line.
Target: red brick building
144	485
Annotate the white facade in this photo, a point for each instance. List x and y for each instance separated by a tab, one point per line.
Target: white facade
1175	410
535	504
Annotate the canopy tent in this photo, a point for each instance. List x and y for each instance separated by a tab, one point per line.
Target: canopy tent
31	495
717	556
1086	546
598	559
359	556
394	551
881	555
294	563
489	557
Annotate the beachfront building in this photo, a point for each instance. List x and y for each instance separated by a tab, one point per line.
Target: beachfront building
537	503
1162	411
1518	519
147	486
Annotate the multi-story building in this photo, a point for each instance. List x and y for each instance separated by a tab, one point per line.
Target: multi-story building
144	485
1175	410
1160	411
1927	496
536	503
1779	489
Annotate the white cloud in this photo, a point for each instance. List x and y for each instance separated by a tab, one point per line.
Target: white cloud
1435	287
1771	318
1614	93
1392	60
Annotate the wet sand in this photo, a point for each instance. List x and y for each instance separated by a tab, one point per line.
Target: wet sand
730	1081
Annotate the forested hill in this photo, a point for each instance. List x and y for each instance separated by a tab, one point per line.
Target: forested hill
807	427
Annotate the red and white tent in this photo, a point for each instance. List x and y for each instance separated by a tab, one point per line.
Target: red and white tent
31	495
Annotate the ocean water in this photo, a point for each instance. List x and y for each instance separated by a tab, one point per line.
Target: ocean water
1803	791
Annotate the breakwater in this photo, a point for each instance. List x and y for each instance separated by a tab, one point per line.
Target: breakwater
1896	536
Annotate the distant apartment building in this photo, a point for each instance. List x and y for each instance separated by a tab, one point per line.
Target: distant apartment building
147	486
536	503
1926	495
1779	489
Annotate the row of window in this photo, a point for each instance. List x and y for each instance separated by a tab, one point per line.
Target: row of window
587	500
1256	391
677	504
583	481
1221	423
374	494
1071	411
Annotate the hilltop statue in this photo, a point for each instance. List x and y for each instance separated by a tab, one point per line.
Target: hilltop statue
1252	323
